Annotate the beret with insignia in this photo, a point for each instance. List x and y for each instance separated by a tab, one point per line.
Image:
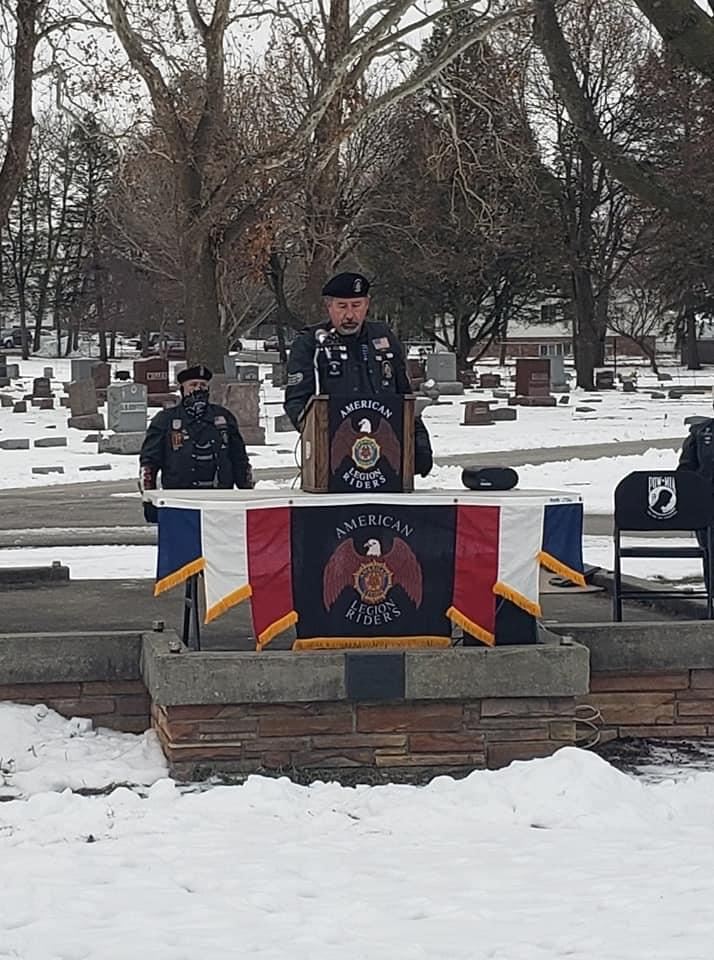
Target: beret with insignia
346	285
199	372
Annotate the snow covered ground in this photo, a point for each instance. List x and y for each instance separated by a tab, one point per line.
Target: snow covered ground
614	417
558	858
121	562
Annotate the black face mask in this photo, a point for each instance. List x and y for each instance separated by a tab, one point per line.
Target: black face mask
195	403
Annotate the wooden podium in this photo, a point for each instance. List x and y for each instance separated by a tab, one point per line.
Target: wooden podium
358	444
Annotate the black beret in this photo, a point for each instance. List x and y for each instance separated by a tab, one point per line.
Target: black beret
199	372
346	285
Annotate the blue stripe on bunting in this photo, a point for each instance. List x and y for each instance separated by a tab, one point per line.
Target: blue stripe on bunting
179	541
563	534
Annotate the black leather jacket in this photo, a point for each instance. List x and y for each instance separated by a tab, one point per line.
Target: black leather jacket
698	450
367	364
194	453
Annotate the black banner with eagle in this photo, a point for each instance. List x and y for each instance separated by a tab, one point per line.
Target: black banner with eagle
373	570
366	444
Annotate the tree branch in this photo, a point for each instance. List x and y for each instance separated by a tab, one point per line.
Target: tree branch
637	177
685	27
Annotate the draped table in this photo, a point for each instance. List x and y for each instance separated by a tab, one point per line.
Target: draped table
396	570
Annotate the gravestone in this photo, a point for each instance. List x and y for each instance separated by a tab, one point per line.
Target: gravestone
15	443
101	374
82	397
41	388
559	382
51	442
87	421
48	372
283	423
4	381
12	370
247	373
229	367
629	386
441	368
43	403
128	444
20	406
6	401
532	377
153	372
490	380
81	368
477	413
279	374
126	407
604	379
242	399
504	413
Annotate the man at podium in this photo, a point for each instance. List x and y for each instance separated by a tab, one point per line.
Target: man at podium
349	355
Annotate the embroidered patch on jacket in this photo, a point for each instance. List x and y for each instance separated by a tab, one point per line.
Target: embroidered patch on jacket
381	343
294	379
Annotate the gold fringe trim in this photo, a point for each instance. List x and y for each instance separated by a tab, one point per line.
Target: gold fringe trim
530	606
225	603
548	561
178	576
275	628
347	643
470	627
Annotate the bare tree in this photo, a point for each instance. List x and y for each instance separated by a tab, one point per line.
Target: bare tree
19	135
203	194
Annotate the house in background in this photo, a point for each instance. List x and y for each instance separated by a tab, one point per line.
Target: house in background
556	340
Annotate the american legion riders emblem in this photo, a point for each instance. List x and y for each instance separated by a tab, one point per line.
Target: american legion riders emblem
372	577
661	497
365	447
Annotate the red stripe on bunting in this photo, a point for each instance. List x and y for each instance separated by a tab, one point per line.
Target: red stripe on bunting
270	571
476	566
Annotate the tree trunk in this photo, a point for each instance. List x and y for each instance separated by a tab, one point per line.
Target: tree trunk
204	337
690	338
322	219
588	344
22	121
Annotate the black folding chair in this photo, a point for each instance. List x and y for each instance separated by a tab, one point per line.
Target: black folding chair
663	500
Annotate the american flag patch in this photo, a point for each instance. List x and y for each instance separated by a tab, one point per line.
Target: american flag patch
381	343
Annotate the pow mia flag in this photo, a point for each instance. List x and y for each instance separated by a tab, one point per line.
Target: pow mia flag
370	570
366	444
661	497
663	500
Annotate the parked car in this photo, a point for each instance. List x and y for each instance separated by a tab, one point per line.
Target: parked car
271	344
171	349
11	337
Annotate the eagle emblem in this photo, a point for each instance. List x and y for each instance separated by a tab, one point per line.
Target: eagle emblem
372	575
365	446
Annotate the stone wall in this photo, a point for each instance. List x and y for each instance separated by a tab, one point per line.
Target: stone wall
356	716
362	741
654	705
653	680
79	674
120	705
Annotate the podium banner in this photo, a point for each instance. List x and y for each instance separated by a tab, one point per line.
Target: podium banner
365	445
374	571
371	571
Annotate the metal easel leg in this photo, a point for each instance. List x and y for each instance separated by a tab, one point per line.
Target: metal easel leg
191	634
